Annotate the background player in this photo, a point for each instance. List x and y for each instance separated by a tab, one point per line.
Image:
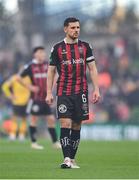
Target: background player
37	71
70	58
19	96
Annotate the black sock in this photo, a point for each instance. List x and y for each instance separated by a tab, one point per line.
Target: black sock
33	131
65	141
75	139
53	134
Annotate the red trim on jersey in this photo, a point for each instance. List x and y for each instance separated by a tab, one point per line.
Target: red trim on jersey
35	95
84	77
62	76
41	82
78	70
69	58
45	81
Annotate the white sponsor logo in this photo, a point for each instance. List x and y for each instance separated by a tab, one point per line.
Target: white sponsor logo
40	75
35	108
62	108
73	61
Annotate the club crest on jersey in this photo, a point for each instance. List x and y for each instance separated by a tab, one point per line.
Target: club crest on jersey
80	50
62	108
64	51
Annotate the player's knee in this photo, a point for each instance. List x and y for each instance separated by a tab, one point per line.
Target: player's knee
33	121
65	123
76	126
51	120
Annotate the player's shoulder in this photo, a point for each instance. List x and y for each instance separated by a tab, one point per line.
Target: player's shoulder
85	43
25	68
58	44
13	78
28	64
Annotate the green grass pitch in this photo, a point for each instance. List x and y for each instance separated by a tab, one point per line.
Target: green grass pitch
98	160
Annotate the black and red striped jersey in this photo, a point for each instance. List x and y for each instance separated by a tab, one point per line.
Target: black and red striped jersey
38	75
71	60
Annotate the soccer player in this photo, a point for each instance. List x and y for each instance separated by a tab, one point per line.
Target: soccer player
70	57
19	96
37	71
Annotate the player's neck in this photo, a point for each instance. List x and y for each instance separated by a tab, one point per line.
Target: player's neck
70	41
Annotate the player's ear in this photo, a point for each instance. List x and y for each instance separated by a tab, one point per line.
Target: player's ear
65	29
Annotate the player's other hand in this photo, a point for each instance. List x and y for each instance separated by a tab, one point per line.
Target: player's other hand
49	99
12	97
96	96
34	89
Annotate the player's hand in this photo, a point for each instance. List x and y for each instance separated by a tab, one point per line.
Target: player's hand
96	96
49	99
34	89
12	97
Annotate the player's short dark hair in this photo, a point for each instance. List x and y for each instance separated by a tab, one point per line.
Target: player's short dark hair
70	20
38	48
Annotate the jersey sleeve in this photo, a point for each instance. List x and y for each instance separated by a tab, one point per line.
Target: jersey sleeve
53	57
26	71
89	54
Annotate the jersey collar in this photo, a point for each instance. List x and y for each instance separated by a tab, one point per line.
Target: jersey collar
70	43
35	61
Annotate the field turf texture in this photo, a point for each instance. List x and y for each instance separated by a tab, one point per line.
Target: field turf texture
98	160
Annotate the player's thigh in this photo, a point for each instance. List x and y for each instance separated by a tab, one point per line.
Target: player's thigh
33	120
64	107
76	125
81	109
65	122
50	120
19	110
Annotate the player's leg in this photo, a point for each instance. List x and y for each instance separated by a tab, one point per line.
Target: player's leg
34	108
14	123
64	111
33	128
14	128
22	128
51	124
23	122
33	132
65	124
75	140
80	113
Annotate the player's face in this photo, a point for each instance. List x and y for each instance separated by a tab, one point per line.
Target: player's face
72	30
40	55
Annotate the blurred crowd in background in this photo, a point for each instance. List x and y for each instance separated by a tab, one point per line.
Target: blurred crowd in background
110	27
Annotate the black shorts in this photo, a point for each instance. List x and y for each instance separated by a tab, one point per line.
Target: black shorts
74	107
20	110
38	108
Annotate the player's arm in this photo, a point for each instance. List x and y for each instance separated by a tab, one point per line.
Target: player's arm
50	81
51	75
6	89
26	71
94	78
93	72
